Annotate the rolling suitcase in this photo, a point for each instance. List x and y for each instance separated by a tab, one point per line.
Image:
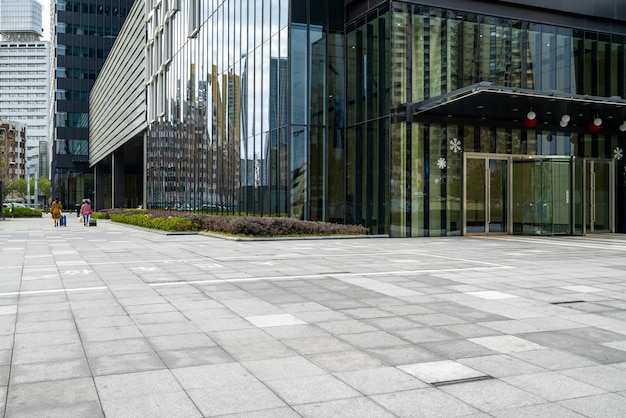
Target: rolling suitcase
92	222
63	221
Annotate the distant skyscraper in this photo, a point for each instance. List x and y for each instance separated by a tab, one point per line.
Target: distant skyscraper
84	34
20	19
25	77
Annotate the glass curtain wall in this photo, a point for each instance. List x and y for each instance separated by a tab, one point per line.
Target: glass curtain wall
218	120
434	51
247	115
367	144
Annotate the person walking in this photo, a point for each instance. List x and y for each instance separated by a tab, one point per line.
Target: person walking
85	211
56	211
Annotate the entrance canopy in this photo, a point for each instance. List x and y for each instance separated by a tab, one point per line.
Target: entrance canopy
550	110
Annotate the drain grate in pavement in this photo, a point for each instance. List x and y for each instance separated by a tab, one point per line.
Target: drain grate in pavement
459	381
567	302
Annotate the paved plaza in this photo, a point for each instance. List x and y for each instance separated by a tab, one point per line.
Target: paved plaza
118	321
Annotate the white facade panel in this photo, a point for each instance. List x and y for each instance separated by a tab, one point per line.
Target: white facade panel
117	101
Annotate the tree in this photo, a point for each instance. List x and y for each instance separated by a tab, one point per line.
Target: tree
44	187
17	186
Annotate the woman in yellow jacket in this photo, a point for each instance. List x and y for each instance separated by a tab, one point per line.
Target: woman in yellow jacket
55	210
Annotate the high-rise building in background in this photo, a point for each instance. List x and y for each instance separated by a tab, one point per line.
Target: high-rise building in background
84	32
25	79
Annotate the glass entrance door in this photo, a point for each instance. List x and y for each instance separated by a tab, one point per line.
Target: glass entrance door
598	183
486	185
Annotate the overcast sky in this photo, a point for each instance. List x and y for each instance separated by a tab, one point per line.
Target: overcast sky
45	17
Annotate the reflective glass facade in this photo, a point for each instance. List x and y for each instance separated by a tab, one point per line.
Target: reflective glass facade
433	51
290	108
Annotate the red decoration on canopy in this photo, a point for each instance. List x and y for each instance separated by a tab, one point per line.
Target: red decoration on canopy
531	123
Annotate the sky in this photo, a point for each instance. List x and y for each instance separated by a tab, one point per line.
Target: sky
45	17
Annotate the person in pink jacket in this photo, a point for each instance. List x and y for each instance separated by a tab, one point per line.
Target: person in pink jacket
85	211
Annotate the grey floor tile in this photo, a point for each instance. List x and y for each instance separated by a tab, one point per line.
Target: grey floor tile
80	409
259	351
612	379
162	405
427	402
501	365
110	333
380	380
282	368
553	386
181	341
344	361
316	345
360	407
34	354
132	385
125	363
554	359
202	377
543	410
45	339
117	347
49	370
599	406
51	394
373	340
222	400
186	357
305	390
491	395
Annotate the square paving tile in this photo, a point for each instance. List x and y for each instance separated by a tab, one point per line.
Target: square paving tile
610	378
202	377
542	410
125	363
259	351
306	390
427	402
49	370
162	405
501	365
583	289
275	320
553	386
185	357
554	359
344	361
492	295
222	400
491	395
134	385
282	368
506	343
380	380
50	394
360	407
440	371
604	405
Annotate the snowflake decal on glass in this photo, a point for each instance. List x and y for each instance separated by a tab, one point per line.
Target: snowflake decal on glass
455	145
618	153
441	163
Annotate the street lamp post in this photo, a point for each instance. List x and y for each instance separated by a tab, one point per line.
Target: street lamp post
36	173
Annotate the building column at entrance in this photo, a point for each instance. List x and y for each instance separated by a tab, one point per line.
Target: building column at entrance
118	173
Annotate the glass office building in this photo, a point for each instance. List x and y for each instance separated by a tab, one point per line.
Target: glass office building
83	35
414	118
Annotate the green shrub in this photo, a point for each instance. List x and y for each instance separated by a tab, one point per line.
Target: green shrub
148	220
253	226
22	213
